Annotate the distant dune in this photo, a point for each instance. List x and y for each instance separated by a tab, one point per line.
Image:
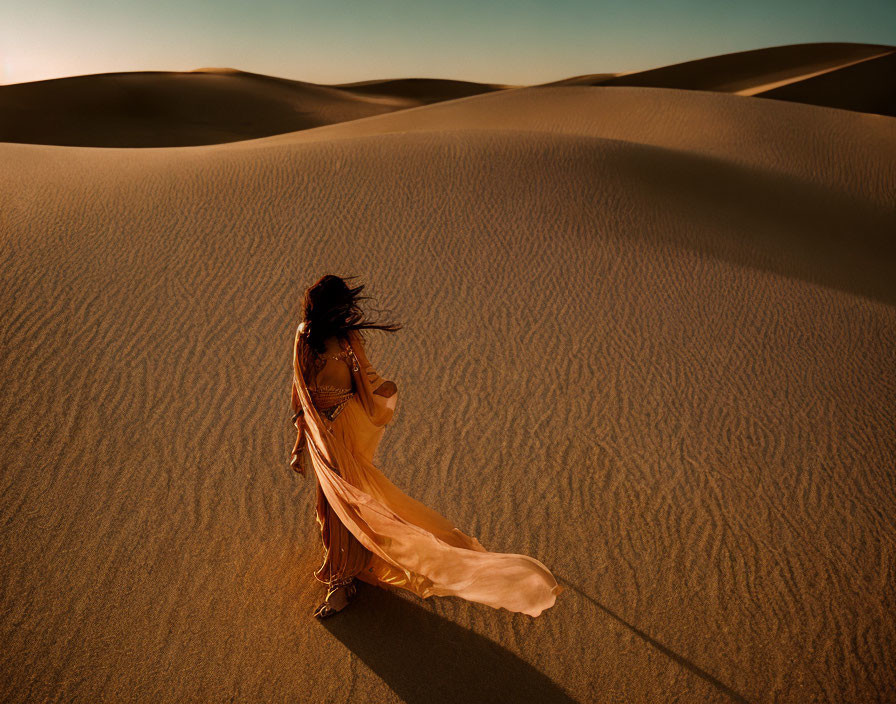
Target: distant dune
207	106
649	339
590	79
863	76
422	90
218	105
868	85
742	70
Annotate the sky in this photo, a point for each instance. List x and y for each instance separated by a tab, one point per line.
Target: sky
331	41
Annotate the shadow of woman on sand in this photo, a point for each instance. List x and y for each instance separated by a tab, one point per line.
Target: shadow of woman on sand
427	659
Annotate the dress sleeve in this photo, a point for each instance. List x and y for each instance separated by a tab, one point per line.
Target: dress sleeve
379	409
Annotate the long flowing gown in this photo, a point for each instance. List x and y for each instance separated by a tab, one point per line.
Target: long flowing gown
373	531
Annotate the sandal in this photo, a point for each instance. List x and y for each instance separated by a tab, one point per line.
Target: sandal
324	610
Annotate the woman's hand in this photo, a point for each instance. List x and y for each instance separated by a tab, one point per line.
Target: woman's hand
298	452
386	389
297	462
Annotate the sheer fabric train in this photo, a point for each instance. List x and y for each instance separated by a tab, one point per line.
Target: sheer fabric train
411	546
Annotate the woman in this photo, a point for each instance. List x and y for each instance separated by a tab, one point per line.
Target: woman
371	530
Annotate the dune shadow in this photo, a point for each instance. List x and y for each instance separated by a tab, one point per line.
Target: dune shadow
427	659
781	223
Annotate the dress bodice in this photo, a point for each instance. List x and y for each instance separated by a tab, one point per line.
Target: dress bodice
327	399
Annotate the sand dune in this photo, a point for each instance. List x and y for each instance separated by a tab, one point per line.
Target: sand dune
589	79
206	106
732	128
423	90
219	105
864	77
742	70
867	85
692	286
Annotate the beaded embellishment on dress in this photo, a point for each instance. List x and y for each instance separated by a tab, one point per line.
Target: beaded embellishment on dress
330	400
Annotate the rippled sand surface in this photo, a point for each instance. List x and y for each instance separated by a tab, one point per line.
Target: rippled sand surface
656	326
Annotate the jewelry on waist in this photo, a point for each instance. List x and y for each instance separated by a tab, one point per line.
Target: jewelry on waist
330	400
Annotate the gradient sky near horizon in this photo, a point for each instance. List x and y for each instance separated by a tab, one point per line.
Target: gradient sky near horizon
500	41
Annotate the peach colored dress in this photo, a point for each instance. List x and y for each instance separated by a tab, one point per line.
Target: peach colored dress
371	529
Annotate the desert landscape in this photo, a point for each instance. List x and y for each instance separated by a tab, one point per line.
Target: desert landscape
649	339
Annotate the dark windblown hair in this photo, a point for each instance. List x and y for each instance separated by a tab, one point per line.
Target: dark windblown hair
330	308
